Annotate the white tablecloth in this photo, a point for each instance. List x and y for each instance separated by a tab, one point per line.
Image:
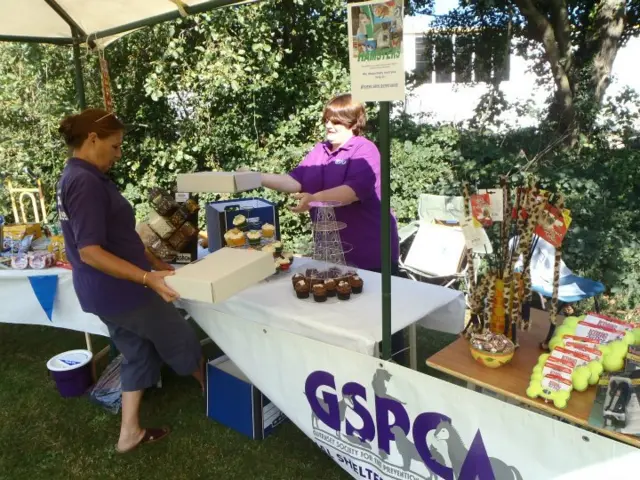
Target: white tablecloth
355	324
19	304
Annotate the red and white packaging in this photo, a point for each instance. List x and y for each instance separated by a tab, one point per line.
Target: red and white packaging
552	367
600	334
555	383
600	320
593	353
587	342
570	357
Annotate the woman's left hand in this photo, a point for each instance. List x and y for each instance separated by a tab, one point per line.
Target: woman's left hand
304	199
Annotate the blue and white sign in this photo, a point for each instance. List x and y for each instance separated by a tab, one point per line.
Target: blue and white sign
380	421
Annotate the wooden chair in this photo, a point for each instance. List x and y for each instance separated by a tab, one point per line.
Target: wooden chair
38	205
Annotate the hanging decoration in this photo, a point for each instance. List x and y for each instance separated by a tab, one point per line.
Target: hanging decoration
106	82
182	7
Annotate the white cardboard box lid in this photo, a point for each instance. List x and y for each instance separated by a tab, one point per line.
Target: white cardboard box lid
221	274
218	182
225	364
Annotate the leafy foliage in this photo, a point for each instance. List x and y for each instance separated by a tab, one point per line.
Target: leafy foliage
245	86
572	45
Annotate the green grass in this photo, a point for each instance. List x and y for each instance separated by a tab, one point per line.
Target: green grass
43	436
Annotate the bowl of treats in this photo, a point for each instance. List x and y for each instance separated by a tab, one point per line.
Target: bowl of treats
490	349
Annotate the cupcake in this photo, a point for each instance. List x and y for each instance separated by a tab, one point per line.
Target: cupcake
277	246
356	284
319	293
334	272
330	285
344	290
238	239
254	237
228	238
240	222
302	289
283	264
288	256
297	277
269	248
312	273
268	230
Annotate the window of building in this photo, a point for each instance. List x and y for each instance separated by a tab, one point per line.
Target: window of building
462	58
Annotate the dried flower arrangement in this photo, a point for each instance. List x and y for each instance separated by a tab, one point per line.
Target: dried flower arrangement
499	300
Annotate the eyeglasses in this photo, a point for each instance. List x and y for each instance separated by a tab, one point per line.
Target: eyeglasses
105	116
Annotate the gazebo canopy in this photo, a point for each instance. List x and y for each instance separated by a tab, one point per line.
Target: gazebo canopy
97	22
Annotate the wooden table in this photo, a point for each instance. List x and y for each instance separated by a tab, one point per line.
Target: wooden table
512	380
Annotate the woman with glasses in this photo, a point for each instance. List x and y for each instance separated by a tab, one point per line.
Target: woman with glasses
114	276
345	168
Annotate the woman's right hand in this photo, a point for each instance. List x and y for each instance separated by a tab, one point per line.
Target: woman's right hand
155	281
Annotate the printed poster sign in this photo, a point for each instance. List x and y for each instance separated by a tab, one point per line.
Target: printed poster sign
376	57
380	421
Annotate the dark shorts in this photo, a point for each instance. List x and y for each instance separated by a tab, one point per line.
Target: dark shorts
149	336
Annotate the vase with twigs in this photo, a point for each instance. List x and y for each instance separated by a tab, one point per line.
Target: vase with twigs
499	300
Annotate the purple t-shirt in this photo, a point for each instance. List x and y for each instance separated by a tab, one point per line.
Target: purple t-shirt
356	164
93	212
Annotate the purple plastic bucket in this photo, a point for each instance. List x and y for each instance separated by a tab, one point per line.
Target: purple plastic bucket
72	372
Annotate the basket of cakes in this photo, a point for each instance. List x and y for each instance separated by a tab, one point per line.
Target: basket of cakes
332	284
171	228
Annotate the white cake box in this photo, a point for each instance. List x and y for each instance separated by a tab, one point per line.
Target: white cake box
218	182
221	274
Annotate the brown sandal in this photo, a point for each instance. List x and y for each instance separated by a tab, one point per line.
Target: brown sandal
151	435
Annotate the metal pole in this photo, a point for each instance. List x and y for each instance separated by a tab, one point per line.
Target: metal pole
385	227
80	97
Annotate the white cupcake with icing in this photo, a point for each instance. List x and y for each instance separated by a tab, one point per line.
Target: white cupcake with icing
240	222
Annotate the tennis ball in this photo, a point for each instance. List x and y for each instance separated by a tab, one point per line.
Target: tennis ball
561	398
581	377
613	363
534	390
572	322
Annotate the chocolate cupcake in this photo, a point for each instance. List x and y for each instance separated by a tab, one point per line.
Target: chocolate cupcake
356	284
344	290
319	293
296	278
312	273
334	272
302	289
330	285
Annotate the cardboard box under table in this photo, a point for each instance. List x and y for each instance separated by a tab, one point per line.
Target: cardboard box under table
220	217
234	402
221	274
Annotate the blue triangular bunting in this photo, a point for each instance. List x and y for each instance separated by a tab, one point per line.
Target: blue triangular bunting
45	287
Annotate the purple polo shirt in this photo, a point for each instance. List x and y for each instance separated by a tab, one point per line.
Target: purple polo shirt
356	164
93	212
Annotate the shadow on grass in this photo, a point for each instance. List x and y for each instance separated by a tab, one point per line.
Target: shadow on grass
45	436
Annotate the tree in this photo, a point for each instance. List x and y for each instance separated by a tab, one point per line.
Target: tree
575	41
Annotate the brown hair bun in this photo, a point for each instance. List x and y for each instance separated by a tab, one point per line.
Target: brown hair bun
76	128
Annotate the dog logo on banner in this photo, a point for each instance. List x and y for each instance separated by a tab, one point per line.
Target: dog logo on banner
427	447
